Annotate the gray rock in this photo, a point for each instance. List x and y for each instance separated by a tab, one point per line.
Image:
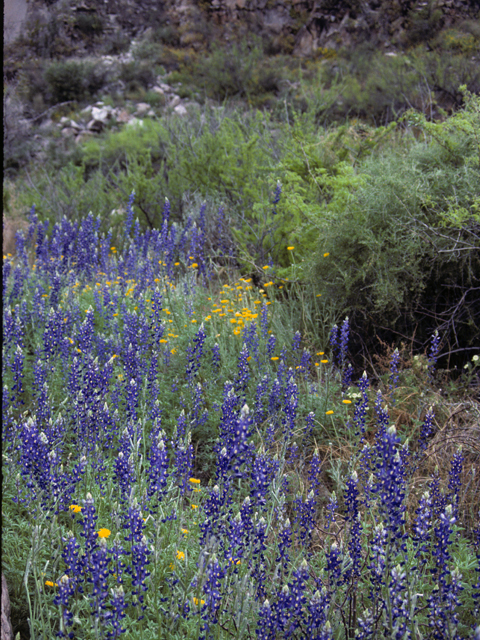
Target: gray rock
142	108
174	101
180	110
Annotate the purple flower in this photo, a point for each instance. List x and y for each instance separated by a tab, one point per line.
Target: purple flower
423	523
194	354
318	628
426	431
276	197
433	355
216	358
100	573
271	345
117	606
158	472
284	543
140	553
266	625
331	508
352	504
297	338
314	472
213	597
455	480
305	516
390	481
129	218
334	346
334	564
361	405
65	592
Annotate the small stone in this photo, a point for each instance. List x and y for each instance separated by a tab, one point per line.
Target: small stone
175	101
180	110
142	108
122	115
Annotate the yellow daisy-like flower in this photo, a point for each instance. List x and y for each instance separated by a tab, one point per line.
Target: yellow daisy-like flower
267	266
49	583
347	401
75	508
324	361
194	506
104	533
197	601
328	413
290	248
325	255
194	480
185	531
274	358
180	555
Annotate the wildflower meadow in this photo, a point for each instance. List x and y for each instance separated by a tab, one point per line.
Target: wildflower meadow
180	462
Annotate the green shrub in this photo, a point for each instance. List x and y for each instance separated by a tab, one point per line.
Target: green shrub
89	24
404	252
73	80
137	75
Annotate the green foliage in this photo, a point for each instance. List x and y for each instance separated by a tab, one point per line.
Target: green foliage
89	24
73	80
404	250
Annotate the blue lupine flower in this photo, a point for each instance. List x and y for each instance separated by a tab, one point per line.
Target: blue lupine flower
331	508
271	345
243	375
390	482
334	345
211	589
284	544
291	403
426	431
361	406
352	504
297	338
117	606
433	355
129	218
305	516
260	478
74	561
216	358
454	480
158	472
194	354
334	559
393	378
276	197
266	625
89	524
314	472
140	553
62	599
423	523
99	576
317	626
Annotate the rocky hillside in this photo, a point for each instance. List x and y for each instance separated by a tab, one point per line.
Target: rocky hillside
301	27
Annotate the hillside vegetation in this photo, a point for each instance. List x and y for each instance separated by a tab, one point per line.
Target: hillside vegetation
240	339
